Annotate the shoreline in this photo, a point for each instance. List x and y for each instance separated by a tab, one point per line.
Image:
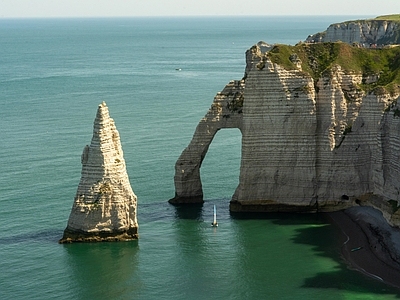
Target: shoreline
371	245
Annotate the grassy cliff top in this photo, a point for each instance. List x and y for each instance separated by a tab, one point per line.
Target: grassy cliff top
318	58
388	18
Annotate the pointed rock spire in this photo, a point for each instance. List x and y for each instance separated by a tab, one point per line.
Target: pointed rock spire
105	205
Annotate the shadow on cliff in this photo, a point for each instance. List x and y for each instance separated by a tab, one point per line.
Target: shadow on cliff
326	241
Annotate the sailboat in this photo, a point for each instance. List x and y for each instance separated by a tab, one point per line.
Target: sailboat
214	223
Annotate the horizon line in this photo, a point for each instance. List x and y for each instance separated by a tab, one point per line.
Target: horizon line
184	16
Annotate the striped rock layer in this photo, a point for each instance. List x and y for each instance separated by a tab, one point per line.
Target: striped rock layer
105	205
366	32
306	145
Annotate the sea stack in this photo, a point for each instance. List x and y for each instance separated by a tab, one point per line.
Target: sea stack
105	205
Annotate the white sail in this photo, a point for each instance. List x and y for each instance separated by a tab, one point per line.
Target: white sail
214	223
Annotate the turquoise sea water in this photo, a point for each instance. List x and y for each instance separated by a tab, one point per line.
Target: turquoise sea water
53	75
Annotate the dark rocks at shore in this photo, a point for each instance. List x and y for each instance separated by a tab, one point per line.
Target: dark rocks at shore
383	238
371	245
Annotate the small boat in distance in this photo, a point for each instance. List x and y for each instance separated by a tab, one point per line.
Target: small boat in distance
356	249
214	223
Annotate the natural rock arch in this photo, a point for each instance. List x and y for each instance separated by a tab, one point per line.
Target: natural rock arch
225	112
311	142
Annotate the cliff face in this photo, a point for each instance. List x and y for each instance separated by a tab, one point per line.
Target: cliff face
226	112
366	32
105	206
311	141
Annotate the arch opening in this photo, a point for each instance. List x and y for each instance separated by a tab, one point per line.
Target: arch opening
220	168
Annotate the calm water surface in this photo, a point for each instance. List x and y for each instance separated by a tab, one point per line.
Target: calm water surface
53	75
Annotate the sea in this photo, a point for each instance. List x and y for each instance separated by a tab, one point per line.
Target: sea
158	76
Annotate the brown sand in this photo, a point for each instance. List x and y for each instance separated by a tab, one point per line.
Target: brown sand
371	246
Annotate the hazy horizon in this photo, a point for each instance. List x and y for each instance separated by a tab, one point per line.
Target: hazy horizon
190	8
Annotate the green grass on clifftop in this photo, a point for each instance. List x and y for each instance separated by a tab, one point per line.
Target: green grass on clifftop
389	18
319	58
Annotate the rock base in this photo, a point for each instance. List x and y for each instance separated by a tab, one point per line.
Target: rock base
276	206
75	236
186	200
269	206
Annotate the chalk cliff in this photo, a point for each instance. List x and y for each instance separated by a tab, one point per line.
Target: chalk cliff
225	112
320	130
105	205
379	31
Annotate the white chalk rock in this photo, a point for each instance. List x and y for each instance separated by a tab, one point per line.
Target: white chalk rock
105	205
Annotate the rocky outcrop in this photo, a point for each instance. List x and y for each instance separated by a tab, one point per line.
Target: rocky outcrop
311	141
105	205
364	32
226	112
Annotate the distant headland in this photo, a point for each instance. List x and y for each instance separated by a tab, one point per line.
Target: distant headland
377	32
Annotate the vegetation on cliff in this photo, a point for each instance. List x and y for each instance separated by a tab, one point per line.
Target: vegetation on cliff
319	58
389	18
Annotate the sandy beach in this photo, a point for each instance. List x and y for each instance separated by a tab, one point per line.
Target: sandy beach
371	245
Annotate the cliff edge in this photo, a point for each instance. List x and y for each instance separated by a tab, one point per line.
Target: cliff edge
320	126
105	205
383	30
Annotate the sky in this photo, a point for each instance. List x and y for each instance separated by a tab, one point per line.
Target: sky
125	8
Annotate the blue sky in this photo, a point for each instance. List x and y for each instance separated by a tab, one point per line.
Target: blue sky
113	8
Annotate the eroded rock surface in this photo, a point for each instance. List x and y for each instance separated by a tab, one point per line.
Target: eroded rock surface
105	205
308	144
368	33
225	112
